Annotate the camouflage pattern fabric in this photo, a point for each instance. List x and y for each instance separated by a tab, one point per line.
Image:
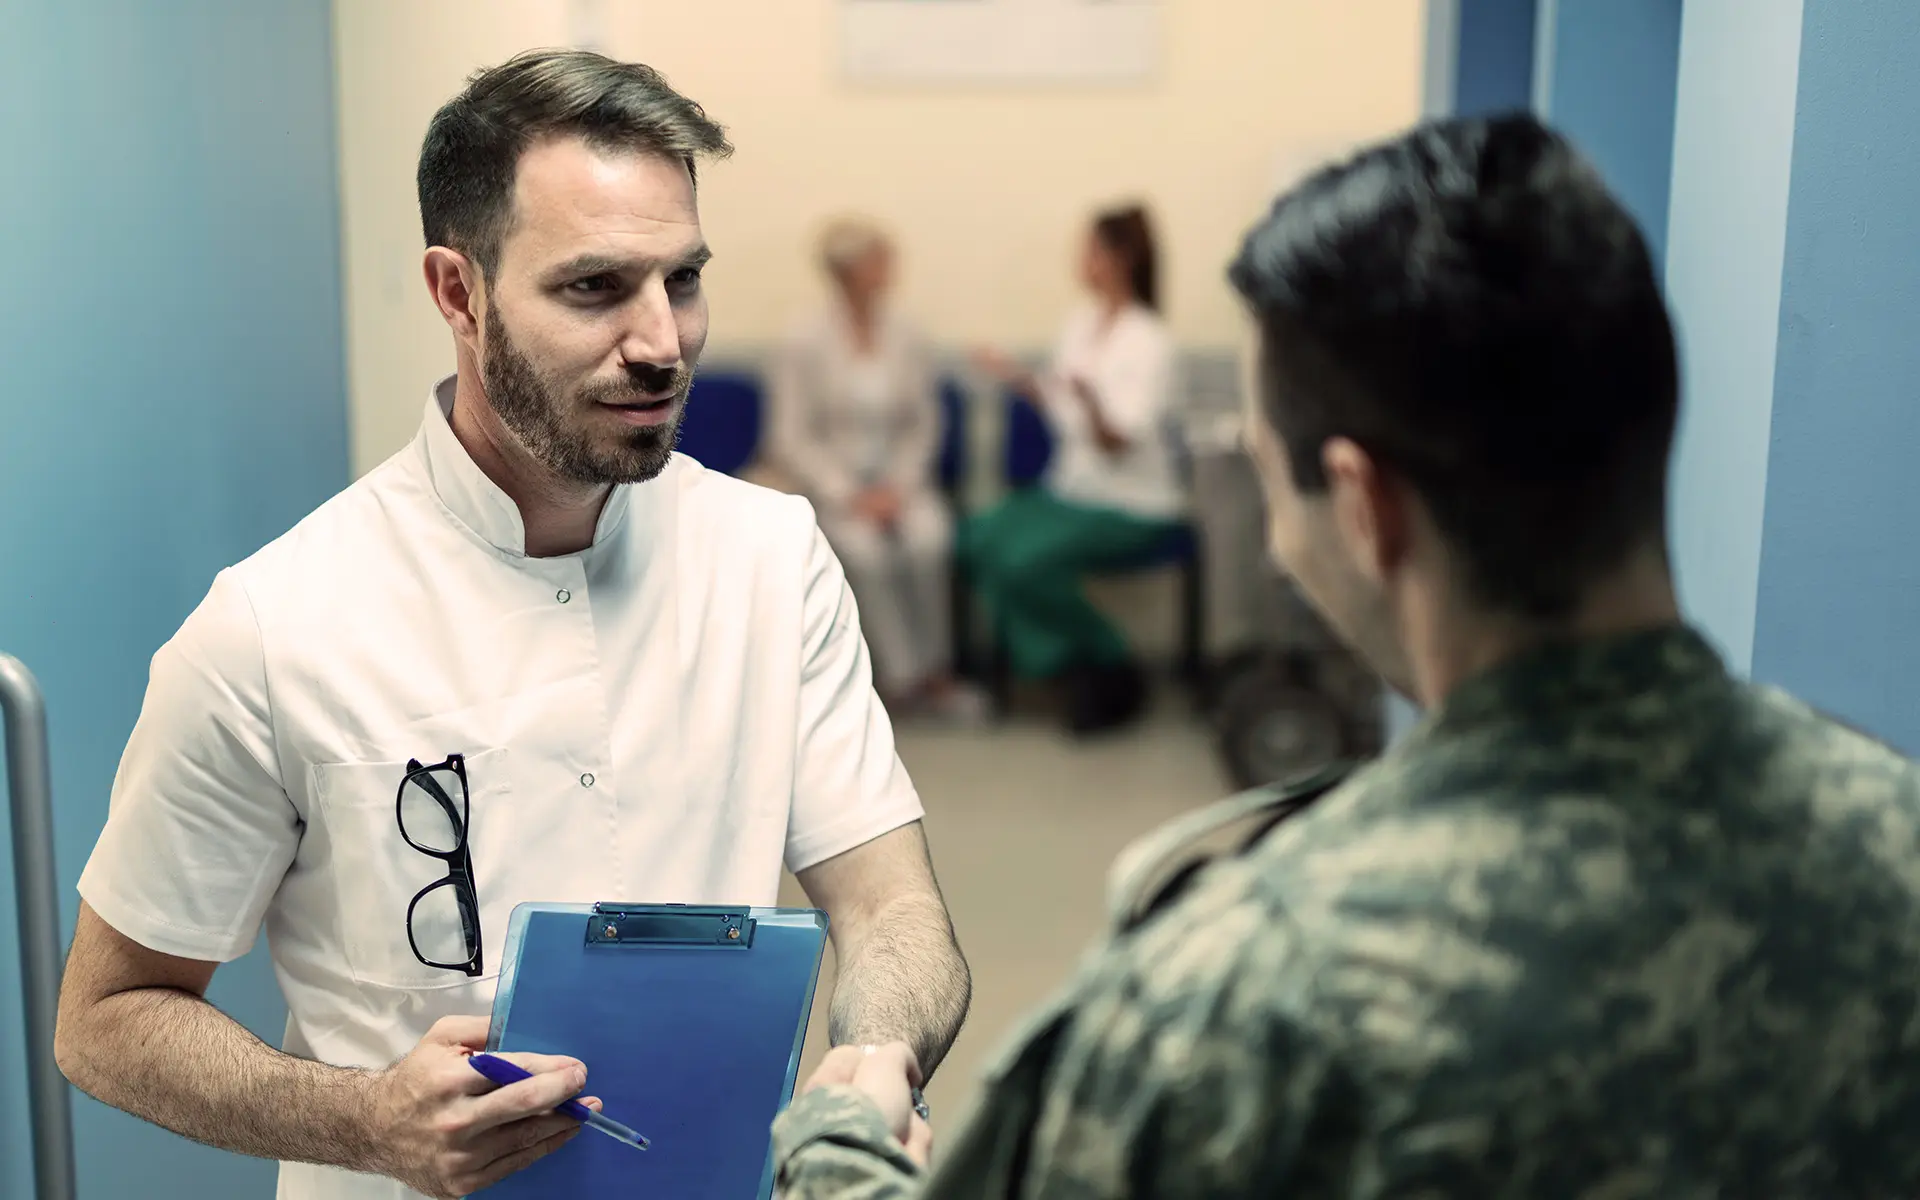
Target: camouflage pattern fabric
1609	924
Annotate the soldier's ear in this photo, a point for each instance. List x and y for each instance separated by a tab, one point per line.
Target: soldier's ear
1372	509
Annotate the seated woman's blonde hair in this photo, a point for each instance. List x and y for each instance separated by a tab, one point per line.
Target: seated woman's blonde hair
846	240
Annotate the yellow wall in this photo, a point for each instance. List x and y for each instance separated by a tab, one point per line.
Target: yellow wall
987	188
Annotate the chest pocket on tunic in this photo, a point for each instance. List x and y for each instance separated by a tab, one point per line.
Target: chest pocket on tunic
376	873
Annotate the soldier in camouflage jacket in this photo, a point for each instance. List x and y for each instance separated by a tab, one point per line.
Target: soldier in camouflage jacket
1609	923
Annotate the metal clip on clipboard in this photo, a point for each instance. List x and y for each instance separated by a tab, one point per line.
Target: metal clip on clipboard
670	925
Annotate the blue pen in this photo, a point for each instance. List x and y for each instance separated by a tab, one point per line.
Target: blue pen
503	1073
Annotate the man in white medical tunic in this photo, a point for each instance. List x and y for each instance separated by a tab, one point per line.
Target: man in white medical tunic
536	655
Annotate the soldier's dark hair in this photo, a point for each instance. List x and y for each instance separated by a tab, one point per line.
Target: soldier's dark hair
1472	306
473	145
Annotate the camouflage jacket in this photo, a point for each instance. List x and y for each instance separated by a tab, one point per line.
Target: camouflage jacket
1608	924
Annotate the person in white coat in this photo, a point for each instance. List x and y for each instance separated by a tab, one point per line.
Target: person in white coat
855	427
534	656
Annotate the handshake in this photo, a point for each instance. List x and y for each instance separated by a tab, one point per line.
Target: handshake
890	1076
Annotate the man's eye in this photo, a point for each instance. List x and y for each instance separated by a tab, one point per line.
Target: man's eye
684	277
592	284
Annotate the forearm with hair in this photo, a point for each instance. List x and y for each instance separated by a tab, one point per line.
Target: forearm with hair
171	1058
902	978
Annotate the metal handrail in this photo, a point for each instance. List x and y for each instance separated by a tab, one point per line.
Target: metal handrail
35	881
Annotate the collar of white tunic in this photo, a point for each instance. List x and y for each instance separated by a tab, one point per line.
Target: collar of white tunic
476	501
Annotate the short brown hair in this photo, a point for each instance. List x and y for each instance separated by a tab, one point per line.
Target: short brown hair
473	146
1128	233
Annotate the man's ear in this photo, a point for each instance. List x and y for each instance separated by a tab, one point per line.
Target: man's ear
458	291
1369	509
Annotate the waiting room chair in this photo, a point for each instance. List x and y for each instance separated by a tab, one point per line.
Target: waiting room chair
951	476
722	426
951	467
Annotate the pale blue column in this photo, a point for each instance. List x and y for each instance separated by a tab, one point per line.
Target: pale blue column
174	396
1837	609
1732	160
1796	272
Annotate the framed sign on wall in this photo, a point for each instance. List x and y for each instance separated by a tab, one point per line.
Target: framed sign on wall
1000	41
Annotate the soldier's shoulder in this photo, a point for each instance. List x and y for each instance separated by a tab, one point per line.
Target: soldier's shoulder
1301	958
1398	834
1815	757
1263	923
1809	731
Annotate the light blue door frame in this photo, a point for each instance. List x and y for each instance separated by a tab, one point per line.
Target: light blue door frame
172	397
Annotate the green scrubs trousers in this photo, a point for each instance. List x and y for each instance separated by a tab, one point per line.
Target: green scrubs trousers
1026	558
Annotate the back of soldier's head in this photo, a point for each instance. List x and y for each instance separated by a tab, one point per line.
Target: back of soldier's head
1470	305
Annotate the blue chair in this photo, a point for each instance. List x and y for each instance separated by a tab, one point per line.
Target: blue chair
1029	442
951	466
721	429
951	474
1028	448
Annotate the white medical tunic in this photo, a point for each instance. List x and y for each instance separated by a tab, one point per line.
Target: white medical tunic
664	717
1131	364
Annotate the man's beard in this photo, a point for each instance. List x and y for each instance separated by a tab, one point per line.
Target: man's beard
544	419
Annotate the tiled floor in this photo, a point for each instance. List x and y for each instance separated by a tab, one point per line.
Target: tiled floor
1023	824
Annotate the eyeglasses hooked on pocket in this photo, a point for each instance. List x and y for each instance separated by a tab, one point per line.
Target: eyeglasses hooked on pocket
402	840
434	809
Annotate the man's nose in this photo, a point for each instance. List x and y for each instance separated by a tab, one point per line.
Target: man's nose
651	336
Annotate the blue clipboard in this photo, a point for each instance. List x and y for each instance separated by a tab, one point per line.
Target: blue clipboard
691	1021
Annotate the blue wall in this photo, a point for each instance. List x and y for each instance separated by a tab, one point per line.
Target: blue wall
1838	604
1733	159
1605	74
1493	70
172	398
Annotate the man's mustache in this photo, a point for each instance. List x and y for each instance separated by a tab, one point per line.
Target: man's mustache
643	382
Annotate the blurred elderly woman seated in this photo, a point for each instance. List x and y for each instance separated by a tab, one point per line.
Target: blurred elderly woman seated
855	426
